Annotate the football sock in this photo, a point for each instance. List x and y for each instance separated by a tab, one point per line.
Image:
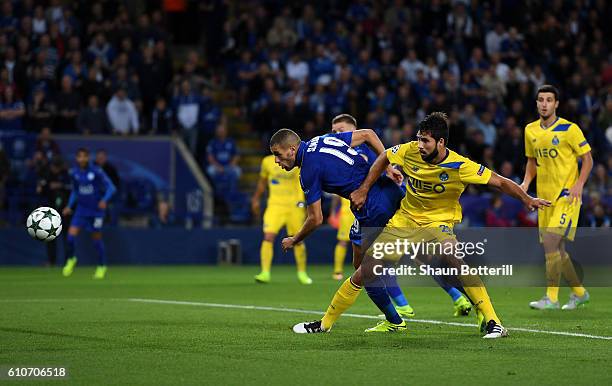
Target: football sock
100	250
453	292
378	293
70	241
266	252
394	291
299	251
553	275
342	300
339	256
477	293
569	272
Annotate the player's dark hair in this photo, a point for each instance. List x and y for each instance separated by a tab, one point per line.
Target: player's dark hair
436	125
285	137
548	88
347	118
83	150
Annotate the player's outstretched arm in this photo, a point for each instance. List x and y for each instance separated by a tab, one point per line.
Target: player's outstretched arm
359	196
511	188
530	172
314	218
369	136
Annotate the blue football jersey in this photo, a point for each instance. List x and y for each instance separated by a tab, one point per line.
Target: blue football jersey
89	187
327	163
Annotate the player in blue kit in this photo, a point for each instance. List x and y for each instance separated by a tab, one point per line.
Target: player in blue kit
91	190
329	163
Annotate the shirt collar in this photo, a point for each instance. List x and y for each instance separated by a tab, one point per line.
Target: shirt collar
299	157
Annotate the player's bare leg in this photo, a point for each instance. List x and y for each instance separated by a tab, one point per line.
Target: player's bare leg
71	261
266	255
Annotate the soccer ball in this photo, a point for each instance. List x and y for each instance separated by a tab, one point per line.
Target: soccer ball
44	224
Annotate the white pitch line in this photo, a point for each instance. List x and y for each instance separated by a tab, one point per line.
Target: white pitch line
362	316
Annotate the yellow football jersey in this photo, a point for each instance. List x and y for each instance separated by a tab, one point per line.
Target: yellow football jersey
283	186
556	150
433	191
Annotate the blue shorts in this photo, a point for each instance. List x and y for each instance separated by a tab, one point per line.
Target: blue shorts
89	223
383	200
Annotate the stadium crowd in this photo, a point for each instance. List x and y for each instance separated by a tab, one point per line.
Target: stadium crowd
101	68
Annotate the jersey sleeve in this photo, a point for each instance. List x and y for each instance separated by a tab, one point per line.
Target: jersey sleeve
529	152
109	187
265	170
397	154
471	172
310	180
579	144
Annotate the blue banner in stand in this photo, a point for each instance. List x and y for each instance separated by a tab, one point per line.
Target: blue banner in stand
146	159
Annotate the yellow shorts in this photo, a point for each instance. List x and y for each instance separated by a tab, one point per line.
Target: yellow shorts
560	218
346	221
399	228
276	217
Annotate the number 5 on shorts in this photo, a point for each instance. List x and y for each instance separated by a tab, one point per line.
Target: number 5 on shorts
562	221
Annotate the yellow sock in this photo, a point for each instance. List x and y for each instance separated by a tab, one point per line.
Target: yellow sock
570	275
339	256
477	292
299	252
553	275
266	252
343	299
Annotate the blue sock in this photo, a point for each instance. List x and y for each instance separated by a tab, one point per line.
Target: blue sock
377	292
70	241
99	246
394	291
453	292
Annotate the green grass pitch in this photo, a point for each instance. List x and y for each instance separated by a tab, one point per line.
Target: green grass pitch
103	338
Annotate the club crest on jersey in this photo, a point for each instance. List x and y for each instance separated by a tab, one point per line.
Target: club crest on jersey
555	140
90	176
443	176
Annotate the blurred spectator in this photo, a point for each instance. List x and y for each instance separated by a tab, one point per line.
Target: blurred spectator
54	187
222	156
41	111
5	170
494	215
109	169
122	114
163	218
599	219
68	104
12	111
162	118
46	145
187	110
92	119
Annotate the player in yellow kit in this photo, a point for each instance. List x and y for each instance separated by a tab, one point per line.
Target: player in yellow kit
344	227
285	208
553	146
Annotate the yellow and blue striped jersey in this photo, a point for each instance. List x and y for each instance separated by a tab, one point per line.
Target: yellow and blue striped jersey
283	186
433	191
555	150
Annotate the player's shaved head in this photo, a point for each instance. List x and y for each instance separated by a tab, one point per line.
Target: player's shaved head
284	145
285	138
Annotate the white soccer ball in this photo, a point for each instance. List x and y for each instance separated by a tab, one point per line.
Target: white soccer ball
44	224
